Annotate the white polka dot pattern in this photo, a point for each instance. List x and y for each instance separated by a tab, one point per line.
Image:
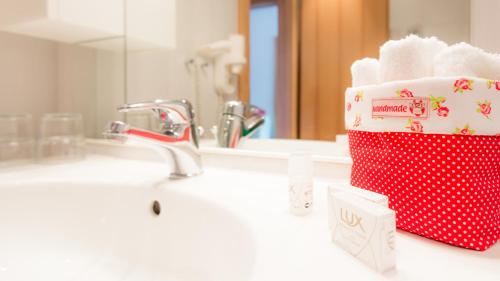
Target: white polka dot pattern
444	187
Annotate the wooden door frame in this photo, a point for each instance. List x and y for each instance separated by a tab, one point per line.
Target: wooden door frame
244	7
286	107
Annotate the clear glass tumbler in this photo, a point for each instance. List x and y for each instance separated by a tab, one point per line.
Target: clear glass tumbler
61	138
16	138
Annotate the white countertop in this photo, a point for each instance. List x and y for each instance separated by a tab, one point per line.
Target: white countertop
299	248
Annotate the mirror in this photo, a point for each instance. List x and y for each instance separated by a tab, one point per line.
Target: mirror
292	61
63	56
298	55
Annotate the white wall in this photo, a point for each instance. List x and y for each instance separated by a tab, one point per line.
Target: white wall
446	19
39	76
110	92
474	21
76	83
91	82
485	24
27	75
163	73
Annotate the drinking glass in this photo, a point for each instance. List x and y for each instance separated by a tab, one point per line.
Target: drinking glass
16	138
61	138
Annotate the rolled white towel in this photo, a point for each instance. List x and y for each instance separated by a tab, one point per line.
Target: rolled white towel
409	58
463	59
365	72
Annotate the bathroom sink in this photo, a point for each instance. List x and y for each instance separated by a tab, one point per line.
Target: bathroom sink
74	230
94	220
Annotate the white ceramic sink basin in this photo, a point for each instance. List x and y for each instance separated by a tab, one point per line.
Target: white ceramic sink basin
92	220
64	230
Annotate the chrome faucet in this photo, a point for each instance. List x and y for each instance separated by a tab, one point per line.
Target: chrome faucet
238	121
175	134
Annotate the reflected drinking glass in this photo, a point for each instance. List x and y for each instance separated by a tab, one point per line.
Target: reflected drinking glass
61	138
16	138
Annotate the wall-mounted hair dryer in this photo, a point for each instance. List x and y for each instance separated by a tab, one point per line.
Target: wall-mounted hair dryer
228	58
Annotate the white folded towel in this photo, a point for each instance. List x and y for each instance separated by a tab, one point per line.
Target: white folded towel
463	59
365	72
409	58
413	57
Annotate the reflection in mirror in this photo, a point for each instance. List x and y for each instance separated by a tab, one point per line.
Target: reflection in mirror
298	54
63	56
186	49
263	48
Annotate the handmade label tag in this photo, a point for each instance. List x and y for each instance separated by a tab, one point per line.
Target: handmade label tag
415	107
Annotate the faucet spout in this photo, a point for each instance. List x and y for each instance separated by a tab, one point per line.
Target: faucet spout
238	121
176	141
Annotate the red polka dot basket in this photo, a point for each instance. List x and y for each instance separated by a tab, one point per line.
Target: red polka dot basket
433	147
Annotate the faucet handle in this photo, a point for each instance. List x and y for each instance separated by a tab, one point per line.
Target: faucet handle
168	112
174	116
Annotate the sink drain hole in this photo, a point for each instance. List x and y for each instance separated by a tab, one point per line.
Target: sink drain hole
156	207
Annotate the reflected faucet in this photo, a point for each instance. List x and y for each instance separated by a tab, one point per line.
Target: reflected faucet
175	135
238	121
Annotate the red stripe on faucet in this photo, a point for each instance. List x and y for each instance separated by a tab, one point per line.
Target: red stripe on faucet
159	137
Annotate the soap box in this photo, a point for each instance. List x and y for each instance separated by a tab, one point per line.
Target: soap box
371	196
364	229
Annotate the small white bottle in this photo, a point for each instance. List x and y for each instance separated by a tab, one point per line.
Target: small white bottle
300	183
